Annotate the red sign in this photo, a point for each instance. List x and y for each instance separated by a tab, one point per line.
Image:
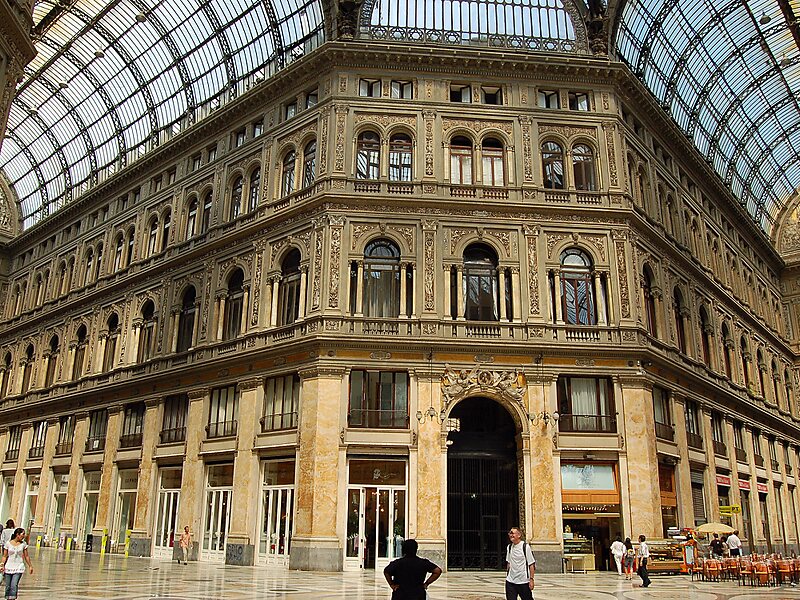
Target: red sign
723	480
744	485
762	487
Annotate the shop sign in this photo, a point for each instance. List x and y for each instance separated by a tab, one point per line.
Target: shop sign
589	509
762	487
733	509
744	485
723	480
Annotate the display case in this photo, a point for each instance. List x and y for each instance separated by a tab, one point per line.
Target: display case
666	556
579	554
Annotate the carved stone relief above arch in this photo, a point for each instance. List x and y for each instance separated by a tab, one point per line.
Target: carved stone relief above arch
477	126
567	131
9	213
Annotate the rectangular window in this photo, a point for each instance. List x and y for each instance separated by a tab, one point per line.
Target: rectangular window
281	400
14	441
586	405
223	412
312	99
172	175
698	498
290	110
157	183
492	95
123	203
579	101
195	162
258	128
173	426
37	442
240	137
549	99
132	426
98	420
663	414
402	90
66	431
461	93
369	88
212	153
378	399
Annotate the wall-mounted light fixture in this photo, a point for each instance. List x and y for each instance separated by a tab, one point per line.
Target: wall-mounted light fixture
545	417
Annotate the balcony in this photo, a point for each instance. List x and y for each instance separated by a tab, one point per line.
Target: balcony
36	452
12	454
278	422
63	449
720	449
741	456
96	444
221	429
132	440
378	419
173	436
694	441
665	432
587	424
759	460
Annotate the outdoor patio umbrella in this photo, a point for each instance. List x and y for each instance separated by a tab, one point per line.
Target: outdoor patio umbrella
714	528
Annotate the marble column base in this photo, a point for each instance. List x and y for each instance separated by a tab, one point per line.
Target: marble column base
241	555
140	546
313	554
548	558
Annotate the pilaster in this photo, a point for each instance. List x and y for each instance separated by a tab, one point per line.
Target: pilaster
141	539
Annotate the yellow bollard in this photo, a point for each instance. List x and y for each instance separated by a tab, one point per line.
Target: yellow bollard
68	544
127	541
103	542
38	542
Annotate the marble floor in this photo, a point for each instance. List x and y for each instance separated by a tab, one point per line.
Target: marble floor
61	576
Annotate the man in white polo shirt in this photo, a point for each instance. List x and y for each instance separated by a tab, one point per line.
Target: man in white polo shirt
734	544
520	567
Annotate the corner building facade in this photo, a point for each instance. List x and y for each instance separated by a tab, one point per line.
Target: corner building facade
357	305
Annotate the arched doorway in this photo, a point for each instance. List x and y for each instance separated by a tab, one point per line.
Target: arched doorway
482	484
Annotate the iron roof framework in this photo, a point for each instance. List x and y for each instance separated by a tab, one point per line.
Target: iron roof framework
116	78
729	75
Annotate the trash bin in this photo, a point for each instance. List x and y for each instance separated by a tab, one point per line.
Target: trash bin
89	542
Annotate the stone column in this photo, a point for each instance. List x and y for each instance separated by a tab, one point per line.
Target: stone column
141	536
173	329
501	296
317	545
240	545
245	310
601	301
74	487
221	315
516	297
40	516
642	461
414	291
403	284
758	543
133	350
108	477
683	475
446	312
461	308
711	470
195	325
360	288
301	309
101	353
20	479
273	318
734	496
557	295
192	478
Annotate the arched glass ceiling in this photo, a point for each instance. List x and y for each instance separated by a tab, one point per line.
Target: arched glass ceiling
525	24
114	78
728	71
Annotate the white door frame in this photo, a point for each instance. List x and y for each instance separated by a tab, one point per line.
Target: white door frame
213	508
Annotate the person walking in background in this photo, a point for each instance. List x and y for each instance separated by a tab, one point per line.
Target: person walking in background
643	555
735	544
406	575
15	557
716	546
520	567
629	559
7	533
186	543
618	552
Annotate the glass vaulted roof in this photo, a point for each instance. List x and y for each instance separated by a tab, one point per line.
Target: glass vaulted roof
115	78
728	72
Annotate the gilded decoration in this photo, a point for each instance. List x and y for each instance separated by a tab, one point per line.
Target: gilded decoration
359	231
622	269
429	119
323	140
790	232
260	246
430	265
477	126
335	266
296	137
610	131
316	285
552	240
599	242
458	384
527	149
504	237
386	120
341	125
567	131
407	233
531	236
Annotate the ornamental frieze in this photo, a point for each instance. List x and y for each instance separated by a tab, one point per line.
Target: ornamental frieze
386	120
457	384
477	126
568	131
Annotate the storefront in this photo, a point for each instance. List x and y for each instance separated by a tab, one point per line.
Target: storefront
169	494
669	498
31	498
217	517
724	494
763	505
88	514
125	512
277	512
60	485
747	524
590	512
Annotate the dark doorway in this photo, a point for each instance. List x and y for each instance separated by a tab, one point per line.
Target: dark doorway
482	493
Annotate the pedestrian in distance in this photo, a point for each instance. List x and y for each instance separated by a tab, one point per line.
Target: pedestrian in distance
7	532
734	544
520	567
629	558
716	547
618	552
186	543
15	558
643	555
406	575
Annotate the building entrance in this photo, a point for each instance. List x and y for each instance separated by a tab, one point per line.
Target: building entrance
482	484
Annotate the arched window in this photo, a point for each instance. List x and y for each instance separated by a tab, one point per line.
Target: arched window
165	225
119	251
232	324
52	361
152	237
727	348
649	301
289	289
492	162
401	158
583	168
368	156
110	351
205	215
236	198
191	219
553	166
89	267
481	286
253	190
678	309
131	242
80	353
761	367
461	161
787	383
27	370
186	320
706	332
310	164
144	350
578	301
287	173
5	376
382	279
745	361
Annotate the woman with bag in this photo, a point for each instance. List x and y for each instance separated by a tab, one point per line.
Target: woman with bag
630	555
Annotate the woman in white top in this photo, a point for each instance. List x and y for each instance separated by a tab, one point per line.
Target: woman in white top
618	551
15	557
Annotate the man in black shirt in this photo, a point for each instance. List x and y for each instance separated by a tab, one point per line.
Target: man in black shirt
406	576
